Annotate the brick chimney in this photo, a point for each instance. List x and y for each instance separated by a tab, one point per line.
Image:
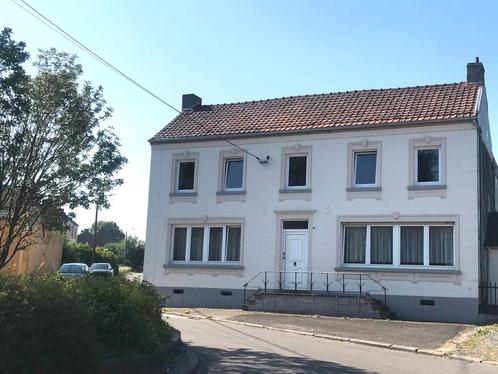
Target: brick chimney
475	72
190	103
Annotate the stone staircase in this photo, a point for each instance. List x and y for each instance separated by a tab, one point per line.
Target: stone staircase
338	304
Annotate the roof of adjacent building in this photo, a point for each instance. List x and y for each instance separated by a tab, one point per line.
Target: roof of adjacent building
378	107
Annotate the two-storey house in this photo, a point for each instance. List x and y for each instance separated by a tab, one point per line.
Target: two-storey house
309	193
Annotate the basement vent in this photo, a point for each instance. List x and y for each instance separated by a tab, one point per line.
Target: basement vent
426	302
226	293
178	291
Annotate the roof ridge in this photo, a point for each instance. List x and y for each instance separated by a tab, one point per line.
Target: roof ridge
341	92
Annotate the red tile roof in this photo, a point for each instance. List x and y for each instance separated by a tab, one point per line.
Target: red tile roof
381	107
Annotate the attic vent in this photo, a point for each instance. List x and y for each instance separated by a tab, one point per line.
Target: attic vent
178	291
225	293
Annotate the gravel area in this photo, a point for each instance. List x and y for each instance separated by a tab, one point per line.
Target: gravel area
483	344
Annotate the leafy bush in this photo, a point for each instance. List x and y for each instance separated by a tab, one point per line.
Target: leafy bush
53	324
118	249
71	251
135	249
126	314
42	330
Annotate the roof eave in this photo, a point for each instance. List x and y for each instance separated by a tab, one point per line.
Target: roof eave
222	137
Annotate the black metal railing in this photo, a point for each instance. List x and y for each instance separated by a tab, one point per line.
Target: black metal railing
309	282
488	297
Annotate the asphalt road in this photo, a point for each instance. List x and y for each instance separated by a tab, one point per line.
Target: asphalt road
231	348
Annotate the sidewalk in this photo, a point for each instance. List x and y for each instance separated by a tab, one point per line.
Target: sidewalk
424	335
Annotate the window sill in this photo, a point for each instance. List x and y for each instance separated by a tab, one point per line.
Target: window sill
182	197
225	193
222	196
203	266
430	190
370	269
427	187
362	189
364	193
295	194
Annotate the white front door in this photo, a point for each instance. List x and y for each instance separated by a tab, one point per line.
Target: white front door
295	258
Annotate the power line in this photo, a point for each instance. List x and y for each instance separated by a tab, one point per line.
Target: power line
47	22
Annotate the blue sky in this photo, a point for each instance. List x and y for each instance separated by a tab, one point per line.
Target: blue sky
226	51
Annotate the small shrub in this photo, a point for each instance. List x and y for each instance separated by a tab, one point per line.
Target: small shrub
72	251
52	324
126	314
42	330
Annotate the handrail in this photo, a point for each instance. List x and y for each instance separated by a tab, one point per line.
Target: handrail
343	278
245	284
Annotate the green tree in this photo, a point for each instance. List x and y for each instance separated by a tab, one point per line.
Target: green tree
135	249
55	150
107	232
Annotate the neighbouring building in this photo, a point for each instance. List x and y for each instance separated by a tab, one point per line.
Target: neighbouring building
44	255
71	229
383	190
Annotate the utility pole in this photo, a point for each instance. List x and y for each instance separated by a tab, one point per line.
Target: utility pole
95	233
125	248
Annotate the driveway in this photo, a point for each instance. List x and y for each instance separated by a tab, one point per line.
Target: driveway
230	348
425	335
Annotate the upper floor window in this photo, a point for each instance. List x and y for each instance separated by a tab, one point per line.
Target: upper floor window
295	180
427	165
186	175
365	168
364	171
233	179
297	171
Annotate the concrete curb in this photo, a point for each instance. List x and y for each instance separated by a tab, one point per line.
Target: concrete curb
370	343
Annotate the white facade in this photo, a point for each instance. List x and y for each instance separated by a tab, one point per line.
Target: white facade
329	200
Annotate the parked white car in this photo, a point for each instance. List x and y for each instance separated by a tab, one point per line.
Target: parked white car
74	269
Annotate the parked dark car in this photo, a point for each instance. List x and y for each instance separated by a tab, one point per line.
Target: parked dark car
74	269
102	268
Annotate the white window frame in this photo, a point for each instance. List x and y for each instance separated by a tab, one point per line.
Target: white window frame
231	194
364	190
355	162
177	159
226	161
205	249
295	151
427	142
415	168
397	245
177	187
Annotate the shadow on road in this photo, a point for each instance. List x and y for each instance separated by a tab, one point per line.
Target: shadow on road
214	360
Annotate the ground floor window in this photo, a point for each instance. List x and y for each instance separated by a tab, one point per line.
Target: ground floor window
398	245
207	243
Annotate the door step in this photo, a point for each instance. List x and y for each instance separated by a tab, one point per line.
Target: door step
328	304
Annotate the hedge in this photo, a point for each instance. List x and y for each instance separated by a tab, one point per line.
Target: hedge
52	324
